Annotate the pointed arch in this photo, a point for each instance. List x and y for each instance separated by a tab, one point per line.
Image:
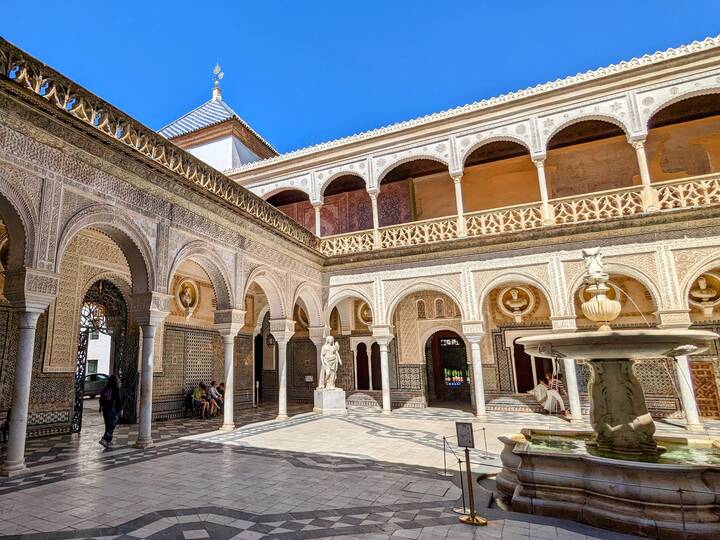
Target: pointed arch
263	277
422	286
600	117
20	218
407	159
124	232
617	268
495	138
673	99
199	252
310	301
516	277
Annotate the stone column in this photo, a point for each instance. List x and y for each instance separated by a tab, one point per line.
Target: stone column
228	401
282	379
228	323
687	394
649	195
318	228
547	213
146	386
478	386
375	217
15	454
149	310
282	330
572	389
457	180
385	374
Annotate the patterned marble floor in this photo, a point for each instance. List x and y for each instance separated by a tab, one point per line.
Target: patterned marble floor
365	475
48	450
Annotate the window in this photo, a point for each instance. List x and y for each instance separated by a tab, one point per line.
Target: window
439	308
421	309
92	366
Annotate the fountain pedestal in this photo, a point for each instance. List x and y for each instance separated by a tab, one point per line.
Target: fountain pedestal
619	415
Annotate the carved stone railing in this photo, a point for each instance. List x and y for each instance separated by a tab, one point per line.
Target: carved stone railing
27	72
597	206
503	220
689	193
419	232
344	244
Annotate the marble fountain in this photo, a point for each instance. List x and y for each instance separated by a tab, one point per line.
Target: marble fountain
620	475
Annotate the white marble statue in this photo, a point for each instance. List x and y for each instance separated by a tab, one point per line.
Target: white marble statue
331	361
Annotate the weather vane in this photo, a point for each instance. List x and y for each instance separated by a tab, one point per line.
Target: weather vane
217	77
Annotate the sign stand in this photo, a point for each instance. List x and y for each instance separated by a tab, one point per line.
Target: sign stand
465	438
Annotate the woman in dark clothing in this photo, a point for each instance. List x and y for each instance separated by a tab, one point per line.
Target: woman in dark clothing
111	408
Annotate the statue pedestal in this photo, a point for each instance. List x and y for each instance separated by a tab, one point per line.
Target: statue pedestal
330	401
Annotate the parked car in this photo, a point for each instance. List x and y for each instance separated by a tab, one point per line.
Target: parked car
94	383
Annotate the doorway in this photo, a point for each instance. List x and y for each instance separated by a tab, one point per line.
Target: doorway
448	374
529	370
101	352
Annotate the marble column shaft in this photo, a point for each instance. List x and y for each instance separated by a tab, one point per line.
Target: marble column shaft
228	397
282	379
146	387
15	452
572	389
385	376
687	394
478	386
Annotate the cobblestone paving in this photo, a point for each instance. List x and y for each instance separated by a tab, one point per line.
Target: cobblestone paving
237	485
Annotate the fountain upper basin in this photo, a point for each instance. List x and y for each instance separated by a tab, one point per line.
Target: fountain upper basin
619	344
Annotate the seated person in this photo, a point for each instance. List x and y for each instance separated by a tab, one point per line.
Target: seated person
215	396
221	389
555	390
199	399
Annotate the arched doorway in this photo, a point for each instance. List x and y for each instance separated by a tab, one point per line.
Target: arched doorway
104	312
448	373
528	369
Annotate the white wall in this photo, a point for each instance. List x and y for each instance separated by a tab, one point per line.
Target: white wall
224	153
99	349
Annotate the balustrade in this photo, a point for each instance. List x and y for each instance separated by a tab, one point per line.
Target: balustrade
689	193
419	232
344	244
612	204
503	220
598	206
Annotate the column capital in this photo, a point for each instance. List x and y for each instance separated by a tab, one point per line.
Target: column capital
282	329
318	334
149	308
456	176
539	160
563	323
373	192
473	328
674	318
382	334
30	289
317	204
229	321
638	144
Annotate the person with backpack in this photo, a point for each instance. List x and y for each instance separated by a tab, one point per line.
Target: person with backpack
111	408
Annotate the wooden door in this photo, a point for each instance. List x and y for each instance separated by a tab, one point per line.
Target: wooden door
706	388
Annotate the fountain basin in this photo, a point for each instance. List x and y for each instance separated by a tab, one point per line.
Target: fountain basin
647	499
619	344
618	411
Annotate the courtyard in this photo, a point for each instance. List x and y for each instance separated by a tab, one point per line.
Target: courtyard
362	475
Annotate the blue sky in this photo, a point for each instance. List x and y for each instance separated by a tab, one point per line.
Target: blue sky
306	71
